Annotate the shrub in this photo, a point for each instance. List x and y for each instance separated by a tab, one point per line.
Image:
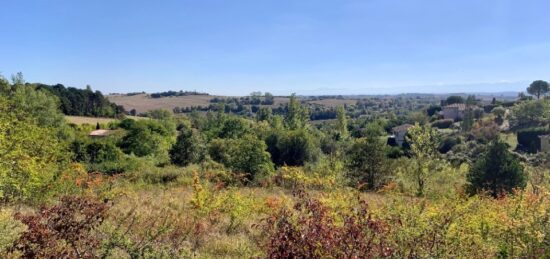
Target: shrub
10	230
443	124
310	230
63	230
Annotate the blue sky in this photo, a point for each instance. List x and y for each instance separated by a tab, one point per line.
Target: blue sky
281	46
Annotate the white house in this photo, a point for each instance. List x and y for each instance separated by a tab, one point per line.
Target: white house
454	111
400	132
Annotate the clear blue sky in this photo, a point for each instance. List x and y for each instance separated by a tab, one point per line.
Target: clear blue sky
282	46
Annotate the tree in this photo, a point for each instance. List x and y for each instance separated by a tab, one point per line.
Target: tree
367	161
496	172
31	155
246	155
268	99
160	114
530	114
342	122
538	88
424	143
454	99
39	104
264	114
189	148
149	137
296	116
292	148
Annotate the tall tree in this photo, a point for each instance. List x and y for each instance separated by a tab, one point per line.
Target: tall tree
424	142
538	88
367	162
189	148
496	172
296	116
342	122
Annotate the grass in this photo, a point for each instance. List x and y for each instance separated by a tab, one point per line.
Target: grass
143	103
93	120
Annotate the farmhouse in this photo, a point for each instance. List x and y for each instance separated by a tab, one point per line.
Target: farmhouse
100	133
544	143
454	111
400	132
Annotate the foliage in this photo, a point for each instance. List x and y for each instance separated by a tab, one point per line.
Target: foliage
443	124
189	148
423	141
367	162
292	148
496	172
538	88
63	230
530	114
10	230
31	155
247	155
149	137
310	231
454	99
342	123
83	102
296	116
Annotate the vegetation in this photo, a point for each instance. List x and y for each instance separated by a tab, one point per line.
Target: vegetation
272	182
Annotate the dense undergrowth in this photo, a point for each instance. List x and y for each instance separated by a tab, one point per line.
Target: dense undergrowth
194	215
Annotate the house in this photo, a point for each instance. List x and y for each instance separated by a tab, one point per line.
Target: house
100	133
454	111
400	132
544	143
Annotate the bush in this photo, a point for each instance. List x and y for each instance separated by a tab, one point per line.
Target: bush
10	230
310	230
448	143
443	124
63	230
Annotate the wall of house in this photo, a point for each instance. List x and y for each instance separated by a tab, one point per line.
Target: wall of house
545	144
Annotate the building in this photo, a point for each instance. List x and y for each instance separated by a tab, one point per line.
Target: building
100	133
454	111
544	143
400	132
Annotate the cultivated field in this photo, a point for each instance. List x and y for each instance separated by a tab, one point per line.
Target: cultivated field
143	102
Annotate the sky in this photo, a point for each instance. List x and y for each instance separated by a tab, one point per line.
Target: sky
280	46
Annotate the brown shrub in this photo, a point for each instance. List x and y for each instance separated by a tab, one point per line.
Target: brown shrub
310	231
63	230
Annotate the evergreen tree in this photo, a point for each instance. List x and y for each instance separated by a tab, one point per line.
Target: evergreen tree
496	172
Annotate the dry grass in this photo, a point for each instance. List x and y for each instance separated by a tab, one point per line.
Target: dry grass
94	120
143	103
